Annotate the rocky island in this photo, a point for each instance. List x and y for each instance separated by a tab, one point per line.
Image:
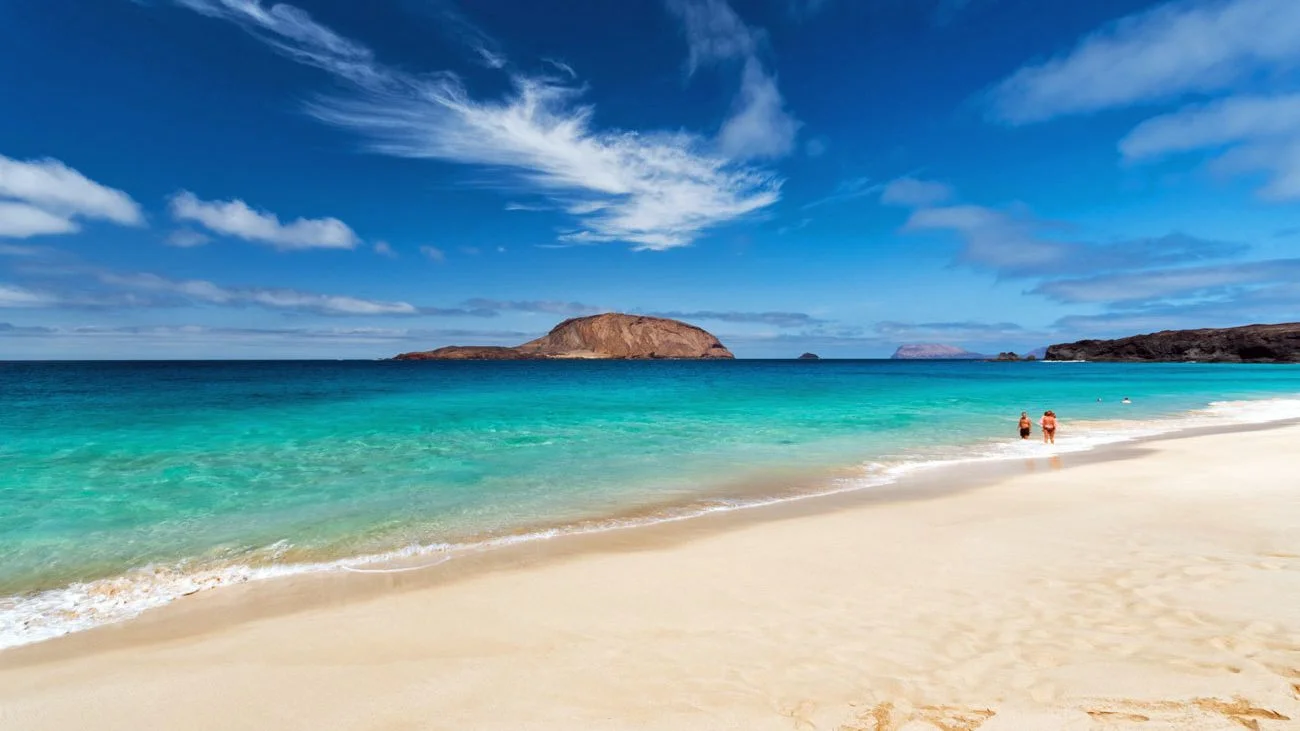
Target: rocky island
1248	344
608	336
934	351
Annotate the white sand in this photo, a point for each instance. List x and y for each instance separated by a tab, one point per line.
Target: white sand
1157	592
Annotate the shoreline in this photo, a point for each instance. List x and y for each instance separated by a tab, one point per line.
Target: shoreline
226	606
1141	586
900	481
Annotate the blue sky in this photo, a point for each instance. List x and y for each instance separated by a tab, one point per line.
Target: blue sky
235	178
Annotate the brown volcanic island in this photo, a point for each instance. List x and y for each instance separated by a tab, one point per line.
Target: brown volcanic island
1248	344
609	336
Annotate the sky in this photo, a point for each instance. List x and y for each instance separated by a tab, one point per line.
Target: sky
337	179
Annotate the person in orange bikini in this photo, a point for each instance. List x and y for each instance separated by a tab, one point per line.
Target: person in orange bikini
1049	427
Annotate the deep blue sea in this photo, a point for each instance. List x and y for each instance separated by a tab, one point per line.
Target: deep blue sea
125	485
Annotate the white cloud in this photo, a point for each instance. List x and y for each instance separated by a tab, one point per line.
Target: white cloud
1213	125
20	220
562	67
1013	245
205	342
657	190
1236	295
377	334
1279	158
775	319
23	251
913	192
967	331
456	25
713	32
433	253
1160	54
383	248
759	125
1260	133
13	297
202	291
187	238
847	190
991	238
236	218
490	58
292	32
46	197
329	304
67	283
534	306
515	206
1162	284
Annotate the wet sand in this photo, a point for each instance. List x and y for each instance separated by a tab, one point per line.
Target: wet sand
1152	586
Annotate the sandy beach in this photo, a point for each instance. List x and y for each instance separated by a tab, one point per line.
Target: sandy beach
1153	586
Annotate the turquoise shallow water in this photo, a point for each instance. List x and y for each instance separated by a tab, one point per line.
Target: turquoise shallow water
187	467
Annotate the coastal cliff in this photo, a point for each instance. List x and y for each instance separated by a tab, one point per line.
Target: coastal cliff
608	336
1248	344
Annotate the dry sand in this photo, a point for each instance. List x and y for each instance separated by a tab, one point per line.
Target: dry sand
1160	590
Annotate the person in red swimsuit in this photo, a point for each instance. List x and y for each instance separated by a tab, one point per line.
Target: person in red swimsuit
1049	427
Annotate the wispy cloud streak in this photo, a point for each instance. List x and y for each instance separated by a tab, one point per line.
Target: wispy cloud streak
1165	284
203	291
912	192
759	125
776	319
847	190
552	307
1015	246
1158	54
1253	132
653	190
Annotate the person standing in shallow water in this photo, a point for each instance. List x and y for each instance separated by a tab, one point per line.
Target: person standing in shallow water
1025	425
1049	427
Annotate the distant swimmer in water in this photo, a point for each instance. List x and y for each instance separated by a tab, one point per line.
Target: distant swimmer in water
1125	400
1025	424
1049	427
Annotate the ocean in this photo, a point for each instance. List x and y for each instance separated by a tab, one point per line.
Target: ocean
128	484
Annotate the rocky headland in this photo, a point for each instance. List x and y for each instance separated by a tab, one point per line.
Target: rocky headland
608	336
1248	344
